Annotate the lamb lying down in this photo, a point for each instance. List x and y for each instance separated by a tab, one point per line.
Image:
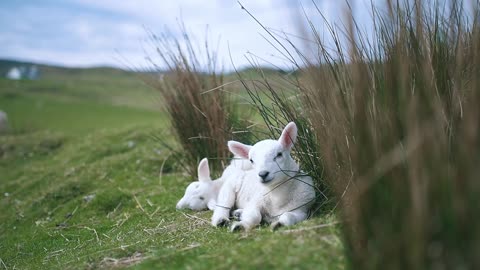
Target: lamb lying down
202	194
274	191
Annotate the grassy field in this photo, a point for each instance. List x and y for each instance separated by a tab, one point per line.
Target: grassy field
83	185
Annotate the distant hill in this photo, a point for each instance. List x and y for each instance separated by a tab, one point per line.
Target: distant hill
100	85
51	71
54	72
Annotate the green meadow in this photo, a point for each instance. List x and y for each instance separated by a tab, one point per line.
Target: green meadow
83	185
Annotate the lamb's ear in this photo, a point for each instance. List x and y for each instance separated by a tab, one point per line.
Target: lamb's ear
204	171
239	149
289	136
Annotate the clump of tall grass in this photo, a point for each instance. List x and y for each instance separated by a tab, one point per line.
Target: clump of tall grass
277	102
202	113
414	139
397	124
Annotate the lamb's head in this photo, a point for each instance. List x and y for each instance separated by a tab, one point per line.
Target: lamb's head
270	159
200	194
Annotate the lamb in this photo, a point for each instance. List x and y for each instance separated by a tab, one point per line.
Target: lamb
274	191
202	194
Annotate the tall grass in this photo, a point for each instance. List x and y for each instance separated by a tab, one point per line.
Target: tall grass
275	98
415	145
202	114
396	122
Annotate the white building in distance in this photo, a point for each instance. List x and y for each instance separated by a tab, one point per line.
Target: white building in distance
23	72
14	74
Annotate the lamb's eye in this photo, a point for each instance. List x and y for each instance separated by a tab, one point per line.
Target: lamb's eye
202	198
279	154
251	161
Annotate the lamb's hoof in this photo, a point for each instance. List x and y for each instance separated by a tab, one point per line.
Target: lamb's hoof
223	222
236	226
237	214
275	225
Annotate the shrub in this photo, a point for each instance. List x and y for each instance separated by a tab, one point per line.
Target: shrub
201	111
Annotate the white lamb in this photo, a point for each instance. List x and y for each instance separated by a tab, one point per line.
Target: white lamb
202	194
275	191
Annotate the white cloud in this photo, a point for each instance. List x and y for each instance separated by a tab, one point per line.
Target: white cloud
91	32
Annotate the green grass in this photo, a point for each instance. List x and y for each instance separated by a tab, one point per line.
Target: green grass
35	112
69	143
92	85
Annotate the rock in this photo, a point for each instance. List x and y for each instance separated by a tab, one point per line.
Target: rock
88	198
3	122
131	144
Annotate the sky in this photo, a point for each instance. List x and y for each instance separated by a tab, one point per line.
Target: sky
85	33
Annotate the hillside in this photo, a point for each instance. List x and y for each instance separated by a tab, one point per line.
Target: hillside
99	85
55	72
84	186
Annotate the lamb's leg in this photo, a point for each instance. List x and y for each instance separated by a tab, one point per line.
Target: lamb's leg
225	202
289	218
251	217
237	214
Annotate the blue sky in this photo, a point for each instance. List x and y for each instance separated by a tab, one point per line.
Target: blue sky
111	32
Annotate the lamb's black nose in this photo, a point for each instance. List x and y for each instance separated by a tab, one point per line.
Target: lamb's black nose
263	174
